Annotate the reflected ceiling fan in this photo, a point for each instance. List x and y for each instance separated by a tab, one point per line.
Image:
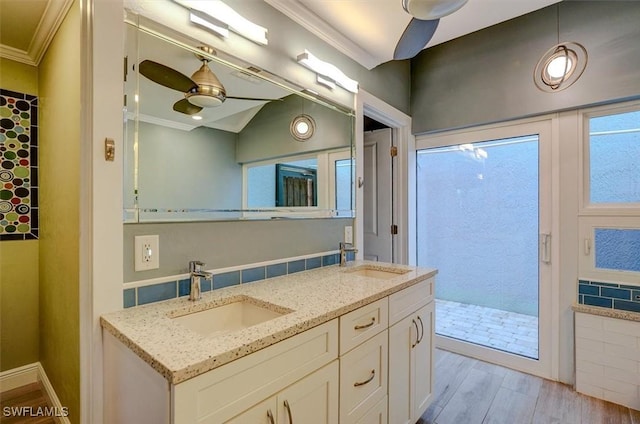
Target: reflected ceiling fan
202	90
426	16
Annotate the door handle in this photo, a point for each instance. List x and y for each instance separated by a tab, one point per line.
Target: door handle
422	328
417	334
270	416
545	248
288	408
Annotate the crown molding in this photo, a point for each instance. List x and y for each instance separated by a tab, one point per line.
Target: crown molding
312	22
49	23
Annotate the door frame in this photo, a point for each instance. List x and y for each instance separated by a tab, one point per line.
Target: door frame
547	126
403	173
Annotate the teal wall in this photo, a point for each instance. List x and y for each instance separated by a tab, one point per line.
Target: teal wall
487	76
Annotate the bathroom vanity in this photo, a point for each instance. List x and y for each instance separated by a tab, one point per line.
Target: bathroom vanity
333	345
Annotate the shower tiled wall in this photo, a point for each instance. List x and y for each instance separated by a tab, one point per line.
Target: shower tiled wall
18	166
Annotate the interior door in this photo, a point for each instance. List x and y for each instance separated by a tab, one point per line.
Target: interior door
378	196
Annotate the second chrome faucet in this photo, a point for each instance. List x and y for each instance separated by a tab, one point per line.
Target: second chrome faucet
195	269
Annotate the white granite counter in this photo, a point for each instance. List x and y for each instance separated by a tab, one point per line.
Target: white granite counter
313	297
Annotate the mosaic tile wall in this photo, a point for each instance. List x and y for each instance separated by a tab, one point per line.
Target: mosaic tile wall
609	295
18	166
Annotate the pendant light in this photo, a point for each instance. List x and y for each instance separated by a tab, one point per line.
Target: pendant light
561	65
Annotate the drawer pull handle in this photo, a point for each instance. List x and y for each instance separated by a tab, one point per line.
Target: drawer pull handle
417	334
270	416
422	328
362	383
286	405
361	327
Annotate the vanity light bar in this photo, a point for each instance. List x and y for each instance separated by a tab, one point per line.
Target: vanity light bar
209	23
328	71
221	12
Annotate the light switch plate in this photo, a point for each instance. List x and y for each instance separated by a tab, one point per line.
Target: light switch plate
348	234
146	253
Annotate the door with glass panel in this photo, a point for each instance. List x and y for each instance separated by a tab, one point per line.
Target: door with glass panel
483	207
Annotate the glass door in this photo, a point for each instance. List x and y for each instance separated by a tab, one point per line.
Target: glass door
482	210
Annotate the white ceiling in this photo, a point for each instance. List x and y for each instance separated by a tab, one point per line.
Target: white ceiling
368	30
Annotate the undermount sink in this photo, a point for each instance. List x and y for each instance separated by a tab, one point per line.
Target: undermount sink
378	272
233	316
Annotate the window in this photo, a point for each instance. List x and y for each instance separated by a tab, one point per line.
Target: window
610	213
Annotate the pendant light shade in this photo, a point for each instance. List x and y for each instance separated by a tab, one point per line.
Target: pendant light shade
560	67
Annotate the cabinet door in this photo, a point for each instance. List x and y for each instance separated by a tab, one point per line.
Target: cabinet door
312	400
410	367
262	413
421	361
402	337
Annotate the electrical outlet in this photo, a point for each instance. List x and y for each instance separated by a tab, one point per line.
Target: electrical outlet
348	234
147	253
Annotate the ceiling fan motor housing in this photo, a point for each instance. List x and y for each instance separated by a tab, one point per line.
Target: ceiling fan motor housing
209	91
431	9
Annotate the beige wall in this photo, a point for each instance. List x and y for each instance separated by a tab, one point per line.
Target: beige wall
18	261
59	84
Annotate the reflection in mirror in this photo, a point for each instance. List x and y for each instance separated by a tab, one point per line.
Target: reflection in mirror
235	160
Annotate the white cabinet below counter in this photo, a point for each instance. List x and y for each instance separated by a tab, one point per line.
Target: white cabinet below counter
371	365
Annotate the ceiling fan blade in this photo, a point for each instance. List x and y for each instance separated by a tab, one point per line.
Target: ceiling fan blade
251	98
166	76
183	106
415	36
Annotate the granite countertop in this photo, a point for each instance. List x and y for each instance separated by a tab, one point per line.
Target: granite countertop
606	312
313	297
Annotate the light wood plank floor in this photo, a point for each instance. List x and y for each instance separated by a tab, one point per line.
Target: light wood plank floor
29	396
468	391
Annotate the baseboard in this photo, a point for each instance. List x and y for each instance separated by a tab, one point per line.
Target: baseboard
18	377
28	374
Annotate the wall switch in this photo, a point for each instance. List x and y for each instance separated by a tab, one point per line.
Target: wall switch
348	234
147	253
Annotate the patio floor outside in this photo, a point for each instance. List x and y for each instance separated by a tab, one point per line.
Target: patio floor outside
495	328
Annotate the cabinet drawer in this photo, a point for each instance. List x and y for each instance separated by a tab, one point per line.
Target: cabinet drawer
410	299
362	324
363	378
376	415
223	393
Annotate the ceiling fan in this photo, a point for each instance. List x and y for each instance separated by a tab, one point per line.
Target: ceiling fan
426	16
202	90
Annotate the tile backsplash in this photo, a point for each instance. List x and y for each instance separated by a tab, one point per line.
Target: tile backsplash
172	287
609	295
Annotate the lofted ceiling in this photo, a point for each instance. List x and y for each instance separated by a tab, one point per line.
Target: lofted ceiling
368	30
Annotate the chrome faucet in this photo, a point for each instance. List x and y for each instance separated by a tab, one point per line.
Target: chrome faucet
195	269
343	252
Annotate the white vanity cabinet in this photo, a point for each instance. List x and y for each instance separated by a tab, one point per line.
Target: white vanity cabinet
312	400
364	347
372	365
411	347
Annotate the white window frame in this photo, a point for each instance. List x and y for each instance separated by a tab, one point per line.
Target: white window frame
601	215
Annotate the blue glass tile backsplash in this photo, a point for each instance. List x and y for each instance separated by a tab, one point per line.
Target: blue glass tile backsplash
609	295
172	289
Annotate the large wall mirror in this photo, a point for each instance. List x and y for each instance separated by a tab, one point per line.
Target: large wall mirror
200	157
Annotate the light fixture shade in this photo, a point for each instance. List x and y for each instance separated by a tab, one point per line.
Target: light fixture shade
431	9
327	70
560	67
302	127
